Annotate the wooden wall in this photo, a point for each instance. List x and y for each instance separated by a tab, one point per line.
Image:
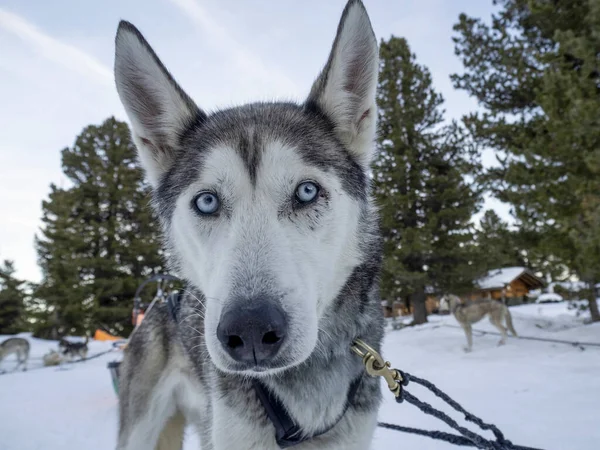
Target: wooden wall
400	309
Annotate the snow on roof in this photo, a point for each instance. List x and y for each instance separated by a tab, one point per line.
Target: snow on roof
498	278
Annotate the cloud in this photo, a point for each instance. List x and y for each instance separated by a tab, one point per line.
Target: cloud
249	64
50	89
59	52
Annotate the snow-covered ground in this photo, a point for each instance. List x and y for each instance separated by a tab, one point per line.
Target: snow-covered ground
540	394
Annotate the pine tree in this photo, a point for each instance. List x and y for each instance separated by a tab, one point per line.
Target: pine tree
12	300
99	239
499	246
535	72
420	182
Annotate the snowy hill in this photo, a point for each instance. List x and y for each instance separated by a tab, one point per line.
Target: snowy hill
540	394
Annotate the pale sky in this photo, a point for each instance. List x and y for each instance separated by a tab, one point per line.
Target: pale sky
56	73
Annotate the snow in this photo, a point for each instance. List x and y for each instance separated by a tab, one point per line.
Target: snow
499	278
573	286
540	394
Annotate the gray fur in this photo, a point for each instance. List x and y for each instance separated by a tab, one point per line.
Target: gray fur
303	127
169	375
18	347
469	313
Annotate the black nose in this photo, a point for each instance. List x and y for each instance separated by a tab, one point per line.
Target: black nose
252	334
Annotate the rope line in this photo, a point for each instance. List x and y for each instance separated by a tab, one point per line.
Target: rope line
533	338
467	438
94	356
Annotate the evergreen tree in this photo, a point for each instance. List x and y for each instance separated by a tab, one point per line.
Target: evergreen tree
12	300
498	245
99	239
535	72
421	183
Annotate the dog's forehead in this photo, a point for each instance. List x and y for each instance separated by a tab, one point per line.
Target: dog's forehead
266	165
262	136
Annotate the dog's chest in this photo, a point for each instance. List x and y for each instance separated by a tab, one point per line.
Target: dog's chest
247	428
239	419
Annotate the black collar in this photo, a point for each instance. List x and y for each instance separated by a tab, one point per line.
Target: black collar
287	432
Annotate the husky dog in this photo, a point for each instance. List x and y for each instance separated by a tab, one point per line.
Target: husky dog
469	313
73	349
267	214
17	346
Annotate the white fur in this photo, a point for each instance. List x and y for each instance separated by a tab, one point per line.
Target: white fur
174	391
149	426
246	437
307	267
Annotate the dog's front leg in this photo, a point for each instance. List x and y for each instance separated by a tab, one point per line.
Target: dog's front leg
469	334
152	420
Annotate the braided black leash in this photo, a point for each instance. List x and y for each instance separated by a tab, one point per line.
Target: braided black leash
439	435
396	380
468	438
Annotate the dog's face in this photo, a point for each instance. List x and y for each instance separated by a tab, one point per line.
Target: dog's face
449	301
262	206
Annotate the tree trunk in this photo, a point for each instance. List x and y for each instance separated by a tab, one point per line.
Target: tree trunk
419	309
593	304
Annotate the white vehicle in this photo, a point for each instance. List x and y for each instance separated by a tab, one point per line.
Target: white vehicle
549	298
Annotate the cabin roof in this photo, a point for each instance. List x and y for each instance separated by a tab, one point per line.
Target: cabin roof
500	278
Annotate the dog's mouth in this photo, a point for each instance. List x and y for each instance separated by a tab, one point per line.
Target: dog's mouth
275	366
256	370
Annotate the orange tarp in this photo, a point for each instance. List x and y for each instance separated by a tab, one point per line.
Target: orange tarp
100	335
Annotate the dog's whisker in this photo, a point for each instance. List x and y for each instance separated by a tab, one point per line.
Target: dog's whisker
196	330
194	296
202	302
194	313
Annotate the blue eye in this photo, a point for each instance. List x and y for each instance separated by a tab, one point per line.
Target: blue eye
307	192
207	203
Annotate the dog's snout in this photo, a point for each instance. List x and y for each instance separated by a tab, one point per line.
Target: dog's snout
253	334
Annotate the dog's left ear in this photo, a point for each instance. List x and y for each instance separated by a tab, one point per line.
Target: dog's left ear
346	88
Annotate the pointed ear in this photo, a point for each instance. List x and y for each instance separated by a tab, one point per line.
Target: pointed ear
345	90
159	110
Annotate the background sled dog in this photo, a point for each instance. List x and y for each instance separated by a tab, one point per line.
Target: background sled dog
469	313
74	349
267	212
18	347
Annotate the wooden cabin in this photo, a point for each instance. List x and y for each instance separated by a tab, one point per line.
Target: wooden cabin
510	285
397	309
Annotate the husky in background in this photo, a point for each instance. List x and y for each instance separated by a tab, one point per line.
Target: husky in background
73	349
267	214
469	313
16	346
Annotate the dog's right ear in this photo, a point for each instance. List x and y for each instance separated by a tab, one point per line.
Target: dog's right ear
345	89
159	110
